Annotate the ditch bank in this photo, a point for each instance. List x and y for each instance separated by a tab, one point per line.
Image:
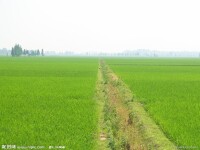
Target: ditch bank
123	122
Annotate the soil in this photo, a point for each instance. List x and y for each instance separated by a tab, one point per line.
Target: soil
134	140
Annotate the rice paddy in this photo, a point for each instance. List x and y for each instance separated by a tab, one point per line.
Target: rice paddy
169	90
48	102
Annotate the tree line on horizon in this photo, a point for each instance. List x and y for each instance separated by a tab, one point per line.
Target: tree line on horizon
18	51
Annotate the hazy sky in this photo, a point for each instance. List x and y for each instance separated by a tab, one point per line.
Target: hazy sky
100	25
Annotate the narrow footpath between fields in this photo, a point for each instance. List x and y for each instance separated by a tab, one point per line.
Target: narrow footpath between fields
123	123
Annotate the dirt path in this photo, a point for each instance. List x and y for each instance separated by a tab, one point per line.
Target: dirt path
120	132
120	126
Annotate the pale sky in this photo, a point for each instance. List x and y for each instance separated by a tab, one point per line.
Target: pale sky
100	25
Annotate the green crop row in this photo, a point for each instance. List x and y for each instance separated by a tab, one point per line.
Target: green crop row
48	102
169	90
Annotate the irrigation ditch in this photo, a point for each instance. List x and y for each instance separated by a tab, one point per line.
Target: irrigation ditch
123	122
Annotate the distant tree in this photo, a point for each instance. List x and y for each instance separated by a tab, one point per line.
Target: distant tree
42	53
32	53
38	52
27	52
24	52
12	52
16	50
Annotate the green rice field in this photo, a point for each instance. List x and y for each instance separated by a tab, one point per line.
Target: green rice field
48	102
170	92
